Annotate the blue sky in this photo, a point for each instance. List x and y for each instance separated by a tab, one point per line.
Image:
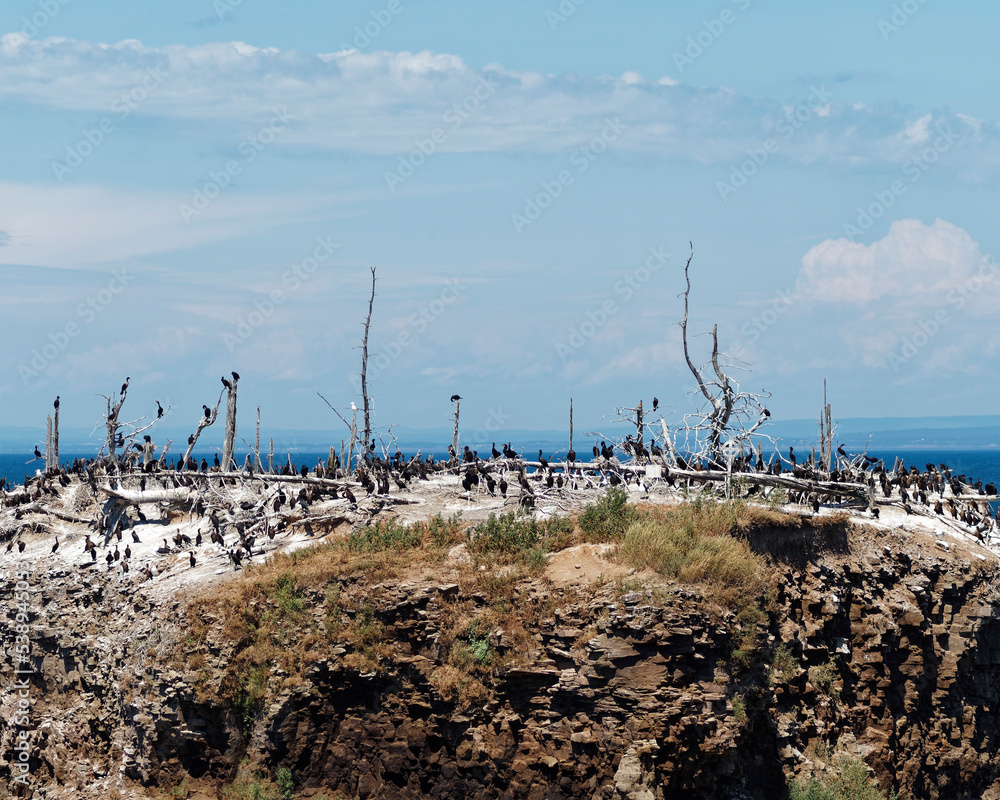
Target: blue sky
189	188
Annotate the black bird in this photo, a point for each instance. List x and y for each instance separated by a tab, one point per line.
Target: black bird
192	558
350	496
135	537
20	547
571	455
226	383
159	410
656	403
542	460
208	411
791	455
56	403
455	398
236	376
191	440
840	449
496	453
37	453
56	545
204	465
216	459
596	451
765	412
125	385
197	539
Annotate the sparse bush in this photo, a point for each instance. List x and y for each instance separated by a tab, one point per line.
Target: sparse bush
852	783
784	665
382	536
286	784
739	710
609	518
823	678
518	538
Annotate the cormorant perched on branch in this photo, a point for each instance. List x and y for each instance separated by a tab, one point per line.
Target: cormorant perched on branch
656	403
125	386
840	449
542	460
38	453
236	376
56	403
496	453
226	383
791	455
455	398
191	439
208	412
159	410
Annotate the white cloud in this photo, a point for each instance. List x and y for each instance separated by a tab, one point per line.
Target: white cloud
913	263
380	102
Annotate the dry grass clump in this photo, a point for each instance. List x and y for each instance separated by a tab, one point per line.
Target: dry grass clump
695	543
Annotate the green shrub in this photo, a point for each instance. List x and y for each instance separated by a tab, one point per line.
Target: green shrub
382	536
285	783
784	665
823	678
852	783
250	695
608	518
518	538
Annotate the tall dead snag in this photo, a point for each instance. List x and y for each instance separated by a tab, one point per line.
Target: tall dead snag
364	366
48	443
55	433
826	434
454	433
229	441
207	419
111	419
724	397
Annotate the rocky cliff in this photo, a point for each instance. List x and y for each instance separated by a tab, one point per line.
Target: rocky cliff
879	645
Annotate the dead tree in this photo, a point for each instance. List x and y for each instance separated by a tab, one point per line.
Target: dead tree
55	433
364	366
725	400
48	443
454	433
111	419
229	442
826	434
207	419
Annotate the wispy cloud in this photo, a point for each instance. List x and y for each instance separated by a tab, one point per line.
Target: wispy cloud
378	103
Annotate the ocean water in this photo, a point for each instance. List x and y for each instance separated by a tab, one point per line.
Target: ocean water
981	464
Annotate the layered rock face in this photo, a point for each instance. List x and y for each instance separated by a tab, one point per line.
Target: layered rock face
890	653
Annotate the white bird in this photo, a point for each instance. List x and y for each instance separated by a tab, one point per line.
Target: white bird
353	407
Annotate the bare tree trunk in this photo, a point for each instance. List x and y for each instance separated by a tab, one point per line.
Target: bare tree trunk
111	420
203	423
256	443
571	423
55	435
639	433
454	434
354	438
270	457
230	439
48	443
364	366
331	462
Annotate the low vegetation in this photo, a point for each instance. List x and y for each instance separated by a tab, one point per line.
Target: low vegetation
300	607
851	783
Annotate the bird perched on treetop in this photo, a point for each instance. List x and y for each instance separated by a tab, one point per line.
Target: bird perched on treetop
236	376
208	412
656	402
56	403
455	398
226	383
159	410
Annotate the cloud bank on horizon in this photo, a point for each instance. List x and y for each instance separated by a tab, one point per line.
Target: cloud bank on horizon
177	209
